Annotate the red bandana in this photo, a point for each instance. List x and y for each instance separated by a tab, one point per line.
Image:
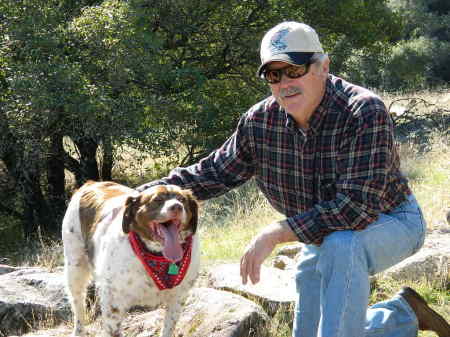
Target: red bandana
165	273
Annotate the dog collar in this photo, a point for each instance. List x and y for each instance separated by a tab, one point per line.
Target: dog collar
164	273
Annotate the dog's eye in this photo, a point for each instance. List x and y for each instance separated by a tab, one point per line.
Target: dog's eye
180	198
158	198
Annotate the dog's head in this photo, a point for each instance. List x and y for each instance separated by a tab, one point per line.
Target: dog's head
165	215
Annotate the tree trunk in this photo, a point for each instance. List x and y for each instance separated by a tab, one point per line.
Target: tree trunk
56	180
36	210
88	161
107	163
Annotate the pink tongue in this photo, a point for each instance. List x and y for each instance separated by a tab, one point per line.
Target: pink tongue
172	248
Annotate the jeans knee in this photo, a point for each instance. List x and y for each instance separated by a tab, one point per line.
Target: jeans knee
341	250
307	265
338	242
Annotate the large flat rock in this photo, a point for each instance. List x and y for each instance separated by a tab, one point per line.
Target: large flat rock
275	289
29	297
207	313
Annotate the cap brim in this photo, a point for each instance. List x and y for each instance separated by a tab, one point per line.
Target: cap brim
295	58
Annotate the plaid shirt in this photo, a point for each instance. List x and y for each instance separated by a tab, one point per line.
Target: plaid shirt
338	175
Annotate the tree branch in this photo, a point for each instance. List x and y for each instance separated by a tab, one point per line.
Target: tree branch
9	211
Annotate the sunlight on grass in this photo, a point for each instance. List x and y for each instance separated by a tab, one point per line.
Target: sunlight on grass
429	176
228	223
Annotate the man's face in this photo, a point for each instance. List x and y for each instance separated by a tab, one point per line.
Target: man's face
300	96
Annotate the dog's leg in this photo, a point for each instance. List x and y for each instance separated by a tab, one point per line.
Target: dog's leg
113	311
77	275
173	312
76	266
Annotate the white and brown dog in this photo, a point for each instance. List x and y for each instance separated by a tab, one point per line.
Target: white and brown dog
140	248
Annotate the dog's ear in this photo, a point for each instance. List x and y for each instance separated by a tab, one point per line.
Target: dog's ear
129	214
193	206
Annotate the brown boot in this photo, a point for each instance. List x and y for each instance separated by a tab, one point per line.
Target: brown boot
427	317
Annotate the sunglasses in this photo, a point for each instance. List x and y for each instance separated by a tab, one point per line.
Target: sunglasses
273	76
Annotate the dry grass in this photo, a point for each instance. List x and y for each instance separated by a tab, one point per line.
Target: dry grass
228	223
429	175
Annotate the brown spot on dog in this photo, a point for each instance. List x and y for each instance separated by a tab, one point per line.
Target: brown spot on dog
94	196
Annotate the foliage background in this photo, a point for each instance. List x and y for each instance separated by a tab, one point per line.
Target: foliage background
84	82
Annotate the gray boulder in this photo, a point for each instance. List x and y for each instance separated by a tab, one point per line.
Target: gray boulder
4	269
274	291
431	263
29	298
207	313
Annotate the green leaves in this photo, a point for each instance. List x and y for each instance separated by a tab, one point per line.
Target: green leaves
169	77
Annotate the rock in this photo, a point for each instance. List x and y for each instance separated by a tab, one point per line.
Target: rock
283	262
29	297
431	263
59	331
398	110
33	298
290	250
275	290
207	313
4	269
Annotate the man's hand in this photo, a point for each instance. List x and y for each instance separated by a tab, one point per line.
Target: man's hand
260	248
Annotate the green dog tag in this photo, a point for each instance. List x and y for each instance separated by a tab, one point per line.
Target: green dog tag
173	269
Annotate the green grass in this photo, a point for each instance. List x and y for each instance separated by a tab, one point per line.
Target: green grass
229	222
429	176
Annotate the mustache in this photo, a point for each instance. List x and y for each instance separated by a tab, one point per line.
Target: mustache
290	91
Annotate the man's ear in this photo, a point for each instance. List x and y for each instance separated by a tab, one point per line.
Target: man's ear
326	66
129	214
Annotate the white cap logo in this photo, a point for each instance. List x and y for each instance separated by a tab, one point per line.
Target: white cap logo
278	42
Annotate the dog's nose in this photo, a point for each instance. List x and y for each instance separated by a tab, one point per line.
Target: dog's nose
175	208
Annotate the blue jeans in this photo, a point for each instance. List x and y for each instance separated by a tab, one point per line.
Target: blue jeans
333	279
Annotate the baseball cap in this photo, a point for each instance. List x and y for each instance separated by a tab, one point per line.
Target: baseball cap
290	42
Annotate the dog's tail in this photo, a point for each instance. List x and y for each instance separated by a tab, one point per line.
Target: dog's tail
73	236
71	226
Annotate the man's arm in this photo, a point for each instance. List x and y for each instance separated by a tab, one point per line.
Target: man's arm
224	169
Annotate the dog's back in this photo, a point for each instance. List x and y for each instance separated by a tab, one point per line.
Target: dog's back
90	203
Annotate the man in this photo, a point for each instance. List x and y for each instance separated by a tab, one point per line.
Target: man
322	151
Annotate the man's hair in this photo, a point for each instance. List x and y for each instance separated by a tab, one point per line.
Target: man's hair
318	60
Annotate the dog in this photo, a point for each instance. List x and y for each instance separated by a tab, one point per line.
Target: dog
141	249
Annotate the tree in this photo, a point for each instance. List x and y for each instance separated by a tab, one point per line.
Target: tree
167	77
421	56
